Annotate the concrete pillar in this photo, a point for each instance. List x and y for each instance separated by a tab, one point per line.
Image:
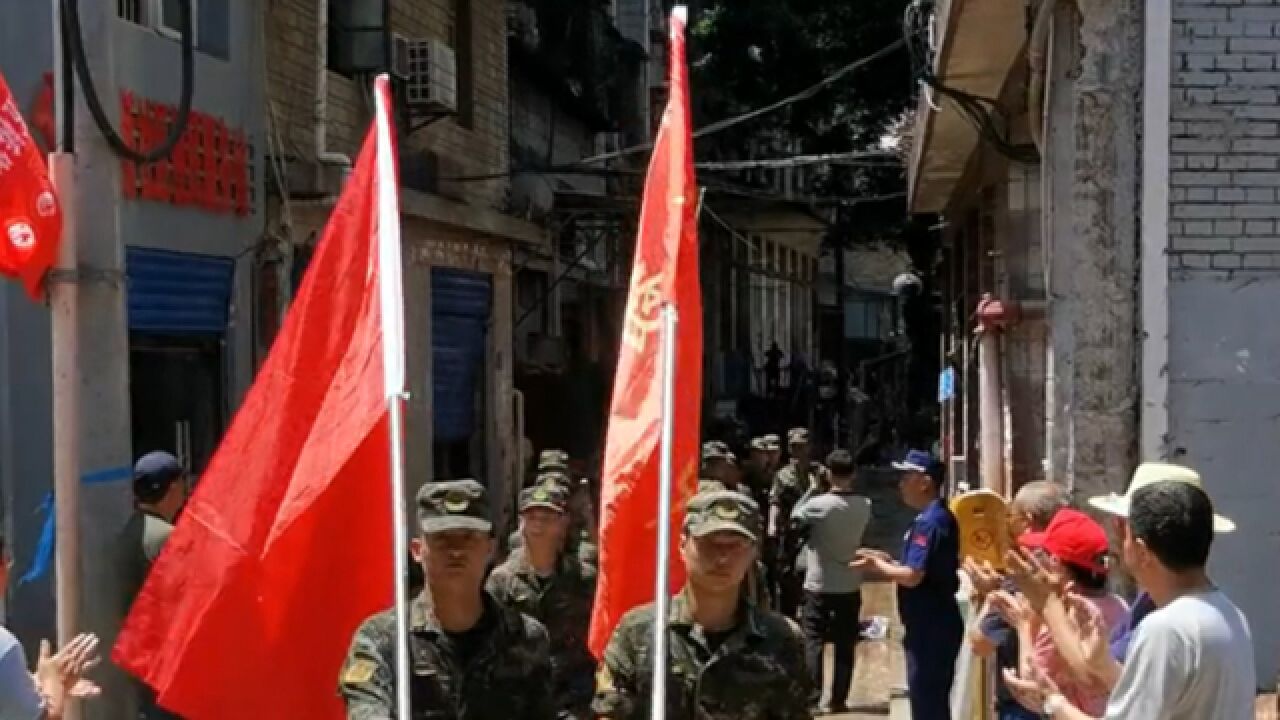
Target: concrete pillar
1093	193
91	372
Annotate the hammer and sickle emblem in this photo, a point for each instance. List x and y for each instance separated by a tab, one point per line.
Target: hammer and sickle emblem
645	316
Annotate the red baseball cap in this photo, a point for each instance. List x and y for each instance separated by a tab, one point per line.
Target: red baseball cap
1072	537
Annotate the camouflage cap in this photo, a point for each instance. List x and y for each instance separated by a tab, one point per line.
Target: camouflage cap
717	510
798	436
758	443
772	442
453	505
716	450
550	495
553	477
553	460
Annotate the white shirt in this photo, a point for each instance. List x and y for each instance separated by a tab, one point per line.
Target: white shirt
1190	660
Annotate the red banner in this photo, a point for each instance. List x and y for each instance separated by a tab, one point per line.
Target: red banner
30	218
665	271
286	545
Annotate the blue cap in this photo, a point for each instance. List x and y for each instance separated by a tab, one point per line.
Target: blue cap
155	470
917	461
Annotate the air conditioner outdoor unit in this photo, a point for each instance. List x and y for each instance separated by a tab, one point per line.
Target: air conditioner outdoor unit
431	83
400	65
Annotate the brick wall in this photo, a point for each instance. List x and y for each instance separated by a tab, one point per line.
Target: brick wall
1225	135
477	150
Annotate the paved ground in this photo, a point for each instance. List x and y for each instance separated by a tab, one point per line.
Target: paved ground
879	665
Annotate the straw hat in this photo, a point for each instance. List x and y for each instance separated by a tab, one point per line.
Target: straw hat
1151	473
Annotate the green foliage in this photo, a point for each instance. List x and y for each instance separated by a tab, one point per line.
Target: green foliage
748	53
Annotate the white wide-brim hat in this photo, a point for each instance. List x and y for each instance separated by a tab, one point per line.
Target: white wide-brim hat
1151	473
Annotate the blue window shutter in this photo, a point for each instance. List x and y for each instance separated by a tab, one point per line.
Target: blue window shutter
460	307
175	293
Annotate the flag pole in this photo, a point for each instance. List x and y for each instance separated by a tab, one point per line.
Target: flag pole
661	594
401	529
391	300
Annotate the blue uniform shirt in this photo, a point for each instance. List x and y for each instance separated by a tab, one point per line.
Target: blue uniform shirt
932	544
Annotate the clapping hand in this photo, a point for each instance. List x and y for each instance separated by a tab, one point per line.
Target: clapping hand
869	560
59	676
984	578
1033	578
1013	608
1031	690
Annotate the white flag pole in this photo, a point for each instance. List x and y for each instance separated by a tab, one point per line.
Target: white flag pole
661	593
391	296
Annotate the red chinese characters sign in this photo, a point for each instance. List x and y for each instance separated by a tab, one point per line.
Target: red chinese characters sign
209	168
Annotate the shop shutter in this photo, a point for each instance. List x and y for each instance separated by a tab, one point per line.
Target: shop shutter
460	306
175	293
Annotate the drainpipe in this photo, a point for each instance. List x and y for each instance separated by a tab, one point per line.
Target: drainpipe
320	109
994	317
1037	86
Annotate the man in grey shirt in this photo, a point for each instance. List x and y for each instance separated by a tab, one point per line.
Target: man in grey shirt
834	522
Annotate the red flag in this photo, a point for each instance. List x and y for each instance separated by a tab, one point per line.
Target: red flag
665	271
30	219
286	545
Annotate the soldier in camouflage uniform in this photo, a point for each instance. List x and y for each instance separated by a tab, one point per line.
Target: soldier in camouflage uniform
794	482
556	588
472	659
756	472
729	660
581	539
720	472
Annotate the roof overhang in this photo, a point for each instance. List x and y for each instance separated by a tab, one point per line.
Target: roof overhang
980	40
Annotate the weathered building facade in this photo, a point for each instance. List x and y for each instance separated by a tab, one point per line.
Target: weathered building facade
1133	249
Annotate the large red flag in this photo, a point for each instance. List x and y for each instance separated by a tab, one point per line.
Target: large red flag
30	219
286	544
665	271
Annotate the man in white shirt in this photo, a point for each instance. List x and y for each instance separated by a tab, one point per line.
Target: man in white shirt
834	522
1192	657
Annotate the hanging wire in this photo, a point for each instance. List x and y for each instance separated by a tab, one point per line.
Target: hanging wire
75	41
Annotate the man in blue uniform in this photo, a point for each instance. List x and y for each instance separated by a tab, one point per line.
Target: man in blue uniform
927	579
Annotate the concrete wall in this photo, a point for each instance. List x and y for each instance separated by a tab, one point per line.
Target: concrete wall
148	65
1224	253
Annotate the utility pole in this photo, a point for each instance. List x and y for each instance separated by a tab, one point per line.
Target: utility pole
91	420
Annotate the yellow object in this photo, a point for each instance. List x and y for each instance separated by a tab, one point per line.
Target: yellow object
982	517
359	672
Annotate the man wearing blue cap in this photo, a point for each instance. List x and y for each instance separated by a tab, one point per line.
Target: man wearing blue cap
159	490
927	580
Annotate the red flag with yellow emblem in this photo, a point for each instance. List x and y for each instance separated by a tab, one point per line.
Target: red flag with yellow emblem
30	217
665	270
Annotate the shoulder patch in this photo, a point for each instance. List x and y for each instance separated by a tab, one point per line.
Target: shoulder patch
920	539
604	679
359	671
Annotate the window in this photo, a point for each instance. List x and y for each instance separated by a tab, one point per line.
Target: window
864	317
462	38
210	21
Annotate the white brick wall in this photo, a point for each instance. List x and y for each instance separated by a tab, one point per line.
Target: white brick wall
1225	135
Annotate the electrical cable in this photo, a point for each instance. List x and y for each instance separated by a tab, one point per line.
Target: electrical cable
978	111
75	40
727	123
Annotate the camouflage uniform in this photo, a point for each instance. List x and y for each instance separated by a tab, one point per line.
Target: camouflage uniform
561	602
755	671
506	673
791	485
554	465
